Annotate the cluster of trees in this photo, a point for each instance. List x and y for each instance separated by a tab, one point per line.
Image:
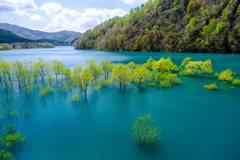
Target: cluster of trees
170	26
193	68
23	45
11	140
44	76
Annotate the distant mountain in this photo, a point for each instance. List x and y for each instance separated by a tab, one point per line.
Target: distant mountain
36	35
9	37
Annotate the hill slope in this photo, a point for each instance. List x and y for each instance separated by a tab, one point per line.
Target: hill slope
171	26
9	37
36	35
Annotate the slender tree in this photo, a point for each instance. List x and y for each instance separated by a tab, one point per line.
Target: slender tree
107	68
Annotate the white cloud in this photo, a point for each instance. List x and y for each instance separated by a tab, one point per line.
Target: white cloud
35	17
12	5
69	19
131	2
51	8
93	12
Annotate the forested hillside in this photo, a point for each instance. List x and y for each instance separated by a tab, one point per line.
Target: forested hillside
9	41
171	26
9	37
36	35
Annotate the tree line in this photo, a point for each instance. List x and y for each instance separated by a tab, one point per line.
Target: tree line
162	73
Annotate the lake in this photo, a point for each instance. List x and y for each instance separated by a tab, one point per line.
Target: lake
196	123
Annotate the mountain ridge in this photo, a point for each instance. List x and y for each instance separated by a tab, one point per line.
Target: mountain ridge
37	35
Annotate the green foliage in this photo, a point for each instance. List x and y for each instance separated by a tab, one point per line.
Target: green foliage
207	31
75	98
120	41
110	44
83	80
149	63
186	61
14	140
236	82
226	75
220	27
206	66
225	12
144	131
122	75
191	6
211	87
41	67
238	10
191	24
165	83
175	4
94	69
193	68
45	91
140	74
6	155
107	68
204	11
162	65
172	78
10	113
216	75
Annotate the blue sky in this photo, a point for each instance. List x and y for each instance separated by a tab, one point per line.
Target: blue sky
74	15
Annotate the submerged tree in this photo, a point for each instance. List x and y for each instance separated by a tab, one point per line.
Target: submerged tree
144	131
236	82
75	98
45	91
122	75
149	63
107	68
162	65
14	140
212	86
84	80
57	67
94	69
186	61
226	75
193	67
140	74
18	68
206	66
6	155
41	67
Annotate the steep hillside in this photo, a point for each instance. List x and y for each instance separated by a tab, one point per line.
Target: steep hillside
36	35
171	26
9	37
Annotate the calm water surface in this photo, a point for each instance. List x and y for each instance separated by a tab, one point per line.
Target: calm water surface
197	124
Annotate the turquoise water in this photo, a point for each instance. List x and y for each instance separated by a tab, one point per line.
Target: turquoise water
196	123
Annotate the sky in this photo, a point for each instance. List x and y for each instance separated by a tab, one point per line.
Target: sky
57	15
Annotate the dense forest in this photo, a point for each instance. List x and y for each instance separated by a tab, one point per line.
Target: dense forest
211	26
